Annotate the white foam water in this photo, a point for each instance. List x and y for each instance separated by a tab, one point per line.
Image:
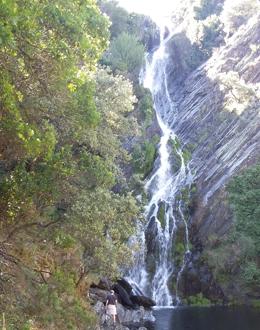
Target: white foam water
164	187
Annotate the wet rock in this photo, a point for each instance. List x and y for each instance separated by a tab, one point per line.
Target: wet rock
197	278
128	315
126	318
166	33
143	301
150	235
123	296
151	245
126	285
152	38
121	327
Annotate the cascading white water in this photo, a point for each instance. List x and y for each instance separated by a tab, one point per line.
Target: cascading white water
164	210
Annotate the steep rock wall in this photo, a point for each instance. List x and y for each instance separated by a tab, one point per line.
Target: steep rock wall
218	119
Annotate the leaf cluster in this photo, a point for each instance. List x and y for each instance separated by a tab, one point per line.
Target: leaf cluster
63	124
235	258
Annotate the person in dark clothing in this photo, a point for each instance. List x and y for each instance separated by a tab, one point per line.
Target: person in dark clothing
111	304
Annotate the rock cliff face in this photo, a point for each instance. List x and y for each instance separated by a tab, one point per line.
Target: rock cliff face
205	83
218	115
218	119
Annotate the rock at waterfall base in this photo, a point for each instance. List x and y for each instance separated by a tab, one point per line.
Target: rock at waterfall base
127	318
143	301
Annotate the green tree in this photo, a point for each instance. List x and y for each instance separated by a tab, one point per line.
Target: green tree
144	155
207	8
235	257
118	16
104	222
244	192
60	153
39	69
210	35
125	54
140	26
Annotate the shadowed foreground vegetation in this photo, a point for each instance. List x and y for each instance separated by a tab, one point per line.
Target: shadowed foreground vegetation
64	120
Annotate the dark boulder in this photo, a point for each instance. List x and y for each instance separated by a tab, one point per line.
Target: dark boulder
150	235
166	33
126	285
136	291
123	296
104	284
143	301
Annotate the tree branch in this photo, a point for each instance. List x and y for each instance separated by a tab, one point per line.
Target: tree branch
83	273
28	225
8	257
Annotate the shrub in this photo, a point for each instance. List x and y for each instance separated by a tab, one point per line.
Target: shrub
125	54
207	8
198	300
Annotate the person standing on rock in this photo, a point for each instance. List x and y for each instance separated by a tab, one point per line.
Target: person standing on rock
111	305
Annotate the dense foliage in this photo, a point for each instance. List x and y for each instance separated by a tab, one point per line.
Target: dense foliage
140	26
126	54
144	155
63	122
131	35
235	259
206	8
244	197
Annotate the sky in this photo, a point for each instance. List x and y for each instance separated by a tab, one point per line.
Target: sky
154	8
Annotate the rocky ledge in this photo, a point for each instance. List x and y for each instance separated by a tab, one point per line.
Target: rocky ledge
134	312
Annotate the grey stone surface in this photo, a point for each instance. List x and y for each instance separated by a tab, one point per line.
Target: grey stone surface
124	316
217	115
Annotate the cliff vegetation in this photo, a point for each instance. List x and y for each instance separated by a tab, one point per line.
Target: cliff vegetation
65	121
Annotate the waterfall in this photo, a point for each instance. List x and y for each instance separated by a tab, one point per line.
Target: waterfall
154	263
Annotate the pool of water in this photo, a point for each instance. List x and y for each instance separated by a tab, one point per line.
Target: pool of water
207	318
